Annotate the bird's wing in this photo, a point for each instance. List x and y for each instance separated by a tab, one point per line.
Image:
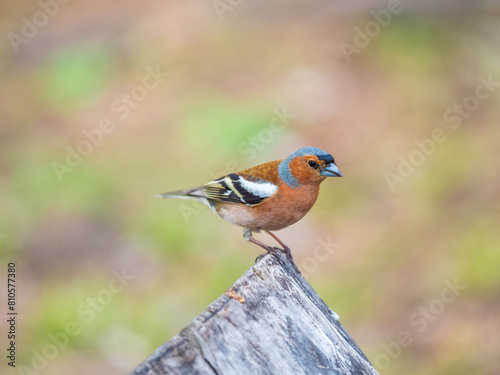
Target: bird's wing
235	188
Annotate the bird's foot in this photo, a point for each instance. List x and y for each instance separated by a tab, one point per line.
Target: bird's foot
277	251
270	250
259	258
288	254
286	250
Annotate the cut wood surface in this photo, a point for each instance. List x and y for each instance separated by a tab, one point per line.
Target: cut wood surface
271	321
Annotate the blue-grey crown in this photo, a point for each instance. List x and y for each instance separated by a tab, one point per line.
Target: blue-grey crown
284	166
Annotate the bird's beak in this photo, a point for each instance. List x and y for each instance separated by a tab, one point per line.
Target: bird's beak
331	171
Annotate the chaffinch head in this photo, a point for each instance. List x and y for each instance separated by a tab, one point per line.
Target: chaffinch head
269	196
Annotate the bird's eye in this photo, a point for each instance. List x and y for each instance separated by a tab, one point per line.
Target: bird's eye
312	163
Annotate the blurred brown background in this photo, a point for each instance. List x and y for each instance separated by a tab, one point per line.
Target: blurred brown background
105	104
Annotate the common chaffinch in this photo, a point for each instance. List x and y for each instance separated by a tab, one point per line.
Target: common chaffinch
269	196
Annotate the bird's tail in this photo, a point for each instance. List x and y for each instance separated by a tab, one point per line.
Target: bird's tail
196	193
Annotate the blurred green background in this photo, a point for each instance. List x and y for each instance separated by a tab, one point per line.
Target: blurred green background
360	85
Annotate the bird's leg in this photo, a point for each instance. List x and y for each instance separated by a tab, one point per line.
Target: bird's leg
247	233
286	250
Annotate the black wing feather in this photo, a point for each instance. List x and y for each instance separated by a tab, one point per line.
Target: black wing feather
228	189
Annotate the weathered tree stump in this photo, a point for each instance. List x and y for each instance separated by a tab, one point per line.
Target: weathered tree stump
271	321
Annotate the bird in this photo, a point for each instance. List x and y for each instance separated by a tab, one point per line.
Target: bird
269	196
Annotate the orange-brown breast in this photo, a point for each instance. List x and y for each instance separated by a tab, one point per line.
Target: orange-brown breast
283	209
279	211
286	207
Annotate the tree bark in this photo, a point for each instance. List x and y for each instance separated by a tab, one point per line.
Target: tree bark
271	321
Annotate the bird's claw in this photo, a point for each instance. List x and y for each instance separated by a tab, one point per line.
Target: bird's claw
258	259
288	254
276	251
